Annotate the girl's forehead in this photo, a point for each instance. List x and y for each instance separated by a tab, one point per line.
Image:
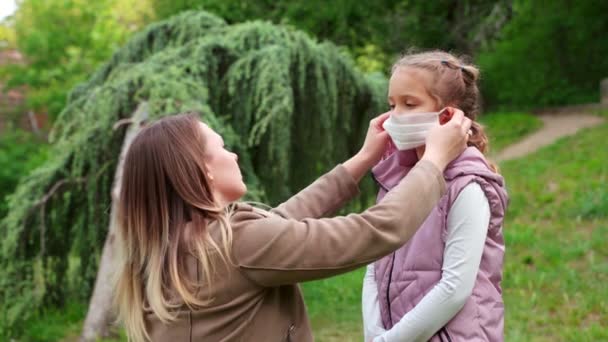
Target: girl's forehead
409	72
409	78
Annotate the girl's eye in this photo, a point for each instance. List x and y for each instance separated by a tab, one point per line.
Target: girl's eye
391	106
410	105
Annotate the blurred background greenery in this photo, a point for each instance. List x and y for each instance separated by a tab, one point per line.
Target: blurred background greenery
532	54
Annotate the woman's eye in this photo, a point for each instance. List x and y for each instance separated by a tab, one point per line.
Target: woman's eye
391	106
410	105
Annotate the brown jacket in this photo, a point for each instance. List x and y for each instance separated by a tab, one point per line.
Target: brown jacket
258	299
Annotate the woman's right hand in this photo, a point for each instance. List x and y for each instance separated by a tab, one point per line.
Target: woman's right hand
445	143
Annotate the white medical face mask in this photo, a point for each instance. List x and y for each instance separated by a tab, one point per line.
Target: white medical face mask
409	131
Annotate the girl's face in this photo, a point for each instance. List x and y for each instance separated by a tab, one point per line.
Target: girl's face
408	94
407	91
223	168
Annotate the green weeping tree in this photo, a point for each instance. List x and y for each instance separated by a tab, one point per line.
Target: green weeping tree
290	107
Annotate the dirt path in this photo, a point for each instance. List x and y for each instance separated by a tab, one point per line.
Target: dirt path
554	127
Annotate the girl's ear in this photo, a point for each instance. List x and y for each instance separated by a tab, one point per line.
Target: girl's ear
445	115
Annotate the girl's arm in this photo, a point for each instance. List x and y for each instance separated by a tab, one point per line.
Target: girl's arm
372	321
468	222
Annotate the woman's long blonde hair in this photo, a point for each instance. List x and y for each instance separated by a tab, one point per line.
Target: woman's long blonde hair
164	190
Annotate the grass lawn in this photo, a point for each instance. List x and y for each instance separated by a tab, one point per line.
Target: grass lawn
556	275
505	128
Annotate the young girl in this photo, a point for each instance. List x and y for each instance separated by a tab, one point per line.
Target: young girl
444	284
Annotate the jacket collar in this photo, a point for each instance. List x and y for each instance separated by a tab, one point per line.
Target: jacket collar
389	171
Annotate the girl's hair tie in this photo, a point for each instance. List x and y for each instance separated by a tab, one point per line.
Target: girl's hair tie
452	65
455	66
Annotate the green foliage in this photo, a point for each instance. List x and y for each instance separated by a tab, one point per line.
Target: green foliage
20	152
385	28
505	128
550	53
7	36
289	106
51	325
63	41
338	21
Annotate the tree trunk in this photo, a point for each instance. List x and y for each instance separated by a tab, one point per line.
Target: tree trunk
99	316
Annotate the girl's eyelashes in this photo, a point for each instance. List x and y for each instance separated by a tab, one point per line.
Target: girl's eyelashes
407	105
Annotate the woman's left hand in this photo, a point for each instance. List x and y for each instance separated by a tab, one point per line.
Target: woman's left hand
376	140
373	148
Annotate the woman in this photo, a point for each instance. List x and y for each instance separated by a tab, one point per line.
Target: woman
195	267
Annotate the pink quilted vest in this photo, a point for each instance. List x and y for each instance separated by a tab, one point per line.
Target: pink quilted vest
406	275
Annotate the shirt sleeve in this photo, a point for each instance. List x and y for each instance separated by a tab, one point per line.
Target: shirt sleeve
467	227
372	321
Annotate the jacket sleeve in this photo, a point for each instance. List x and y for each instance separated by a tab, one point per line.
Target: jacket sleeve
272	250
323	197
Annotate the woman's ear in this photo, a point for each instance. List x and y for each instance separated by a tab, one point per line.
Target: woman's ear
207	173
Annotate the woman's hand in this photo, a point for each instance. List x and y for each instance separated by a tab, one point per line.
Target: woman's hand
376	140
373	148
445	143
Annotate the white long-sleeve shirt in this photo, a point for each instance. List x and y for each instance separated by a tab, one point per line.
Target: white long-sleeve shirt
467	228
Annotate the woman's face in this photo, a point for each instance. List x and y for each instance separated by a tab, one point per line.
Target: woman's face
407	91
222	167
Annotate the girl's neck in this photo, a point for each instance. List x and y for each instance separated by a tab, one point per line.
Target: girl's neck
420	151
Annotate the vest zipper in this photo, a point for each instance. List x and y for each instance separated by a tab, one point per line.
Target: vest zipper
445	332
390	273
388	288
